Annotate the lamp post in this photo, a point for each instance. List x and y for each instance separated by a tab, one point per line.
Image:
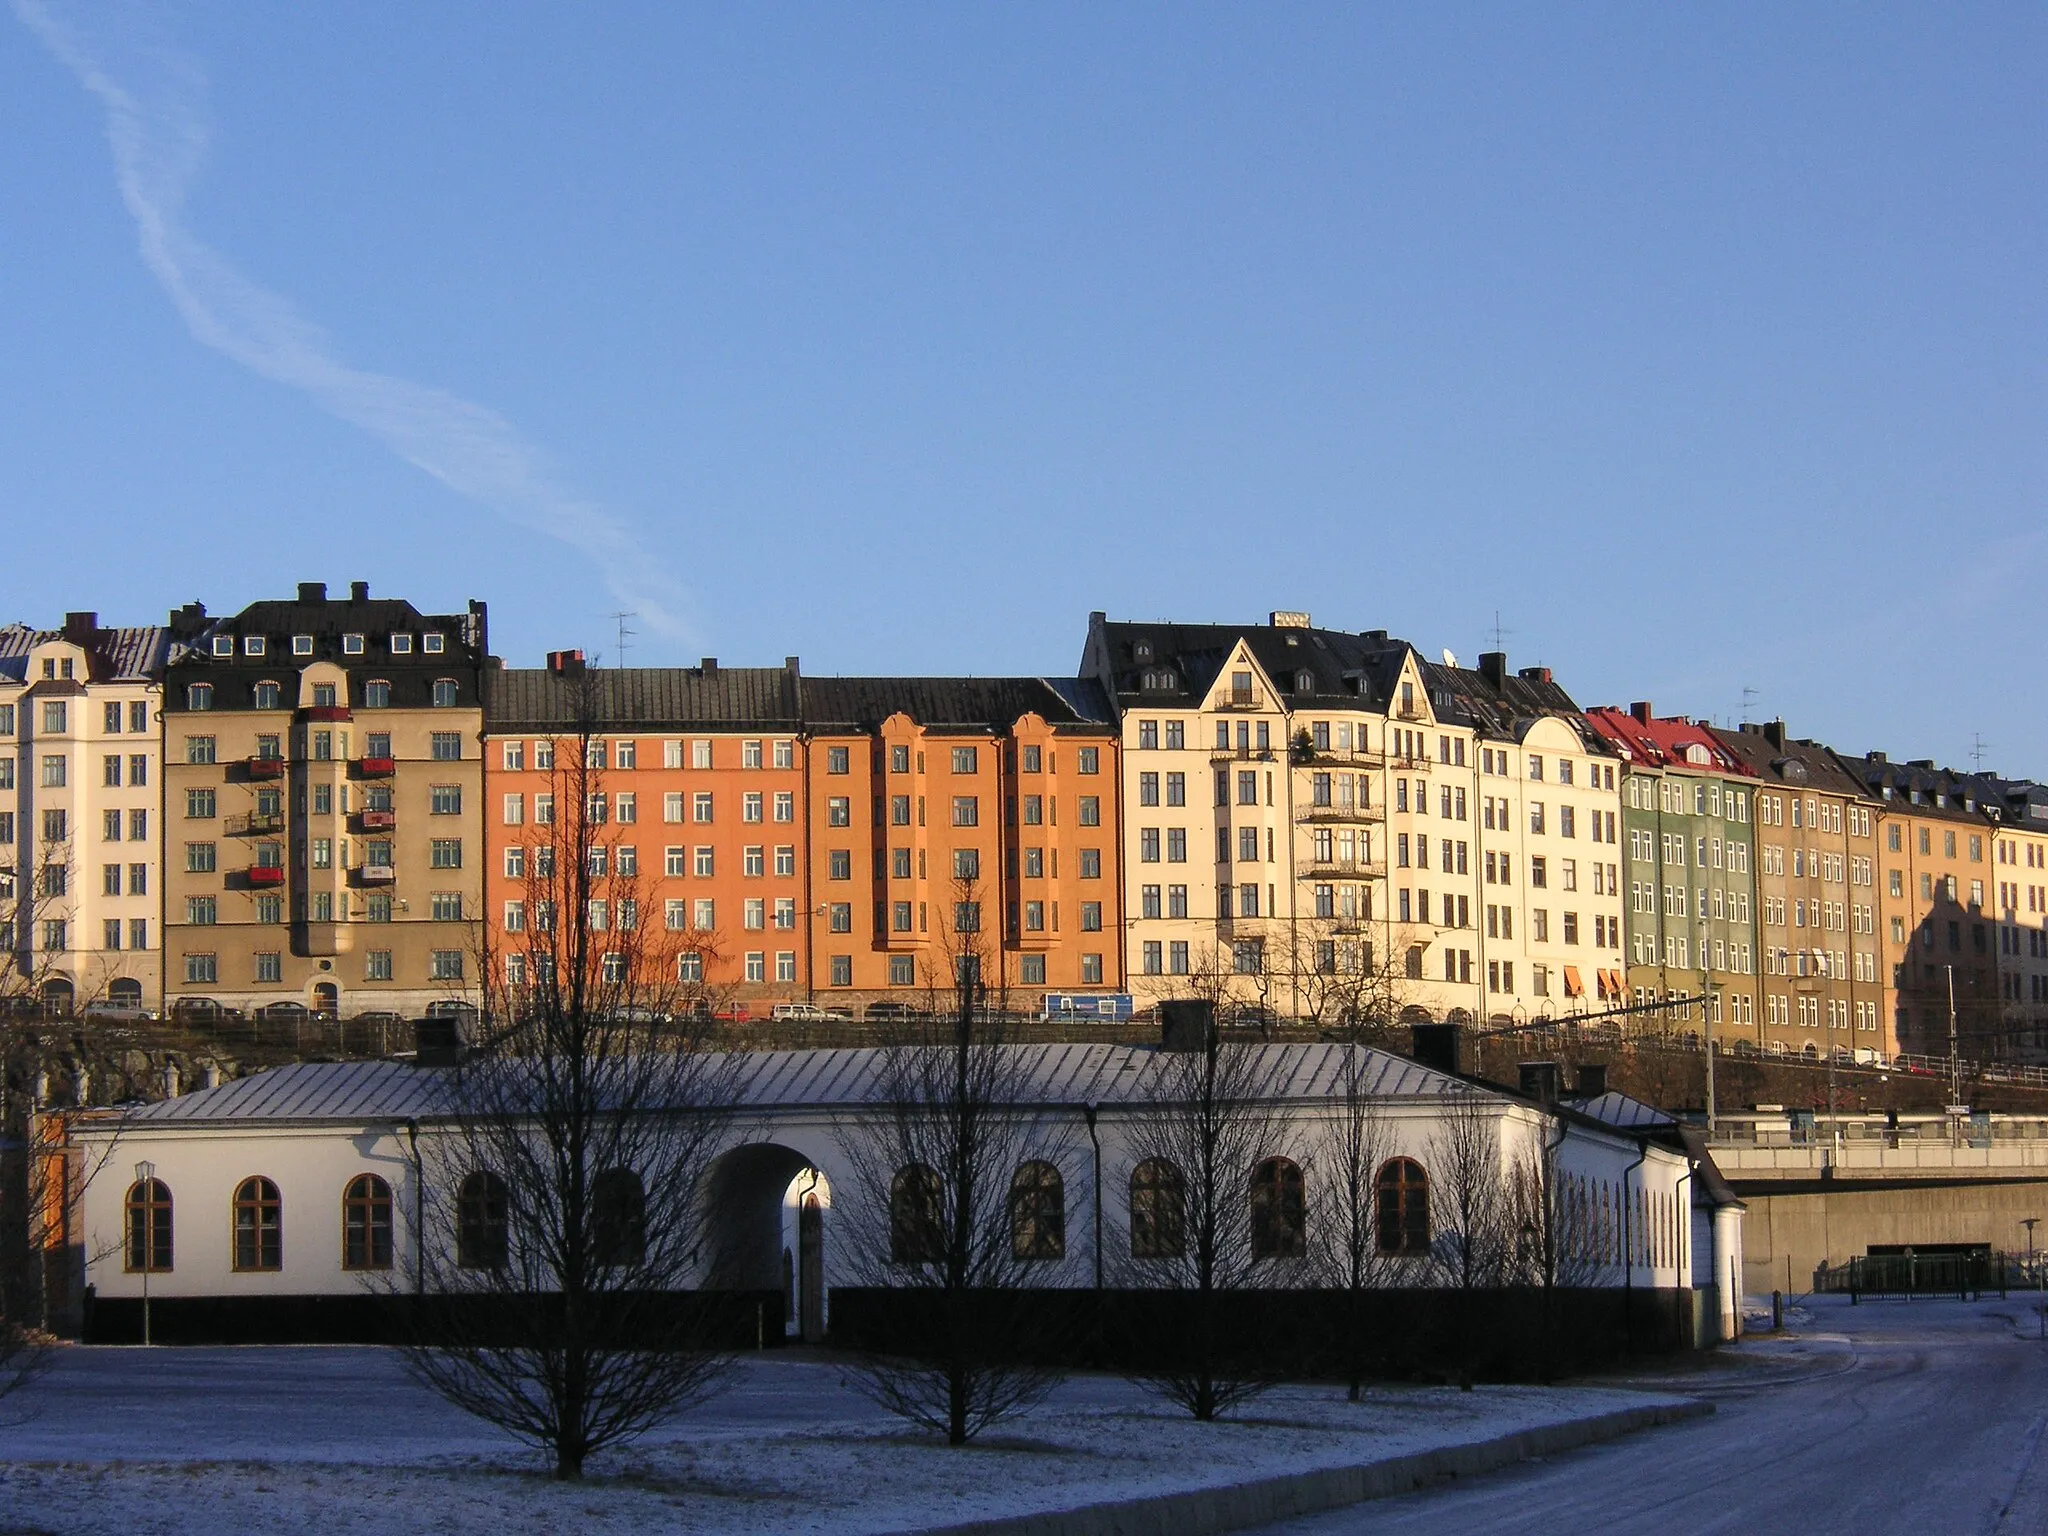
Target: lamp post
2040	1284
145	1175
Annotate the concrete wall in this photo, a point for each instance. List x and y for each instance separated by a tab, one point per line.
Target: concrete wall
1802	1228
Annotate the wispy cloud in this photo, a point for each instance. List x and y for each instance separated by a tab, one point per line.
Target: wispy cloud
154	100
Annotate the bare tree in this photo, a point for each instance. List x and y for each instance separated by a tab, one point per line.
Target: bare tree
1354	1256
36	920
960	1205
567	1157
1551	1215
1471	1210
1216	1211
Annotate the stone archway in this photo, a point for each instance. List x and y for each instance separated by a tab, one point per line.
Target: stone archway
125	992
58	997
766	1210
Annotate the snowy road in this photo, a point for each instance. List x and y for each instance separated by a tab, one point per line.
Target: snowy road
1925	1416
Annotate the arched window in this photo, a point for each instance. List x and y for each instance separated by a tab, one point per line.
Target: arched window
269	695
914	1232
1038	1212
366	1223
444	693
1403	1190
1279	1211
618	1217
482	1213
259	1225
199	696
1159	1210
377	694
149	1227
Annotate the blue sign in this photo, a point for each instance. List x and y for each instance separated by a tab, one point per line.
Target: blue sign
1087	1005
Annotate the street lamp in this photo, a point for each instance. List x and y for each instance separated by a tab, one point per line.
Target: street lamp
2040	1276
145	1175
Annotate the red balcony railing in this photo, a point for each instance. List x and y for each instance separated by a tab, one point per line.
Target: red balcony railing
266	767
323	713
379	821
377	874
265	874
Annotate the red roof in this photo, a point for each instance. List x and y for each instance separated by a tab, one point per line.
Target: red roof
1645	740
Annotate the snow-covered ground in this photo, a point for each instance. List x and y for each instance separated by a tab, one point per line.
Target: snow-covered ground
1925	1416
341	1441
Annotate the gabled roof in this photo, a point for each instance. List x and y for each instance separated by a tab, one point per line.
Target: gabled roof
1342	670
1922	788
1070	1075
1501	704
136	652
1645	741
1778	758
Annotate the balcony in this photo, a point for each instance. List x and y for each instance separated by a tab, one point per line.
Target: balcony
1344	869
256	824
266	876
379	821
266	767
376	874
1241	754
376	767
1314	813
326	714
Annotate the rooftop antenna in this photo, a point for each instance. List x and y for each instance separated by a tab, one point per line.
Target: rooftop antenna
1978	747
1749	698
1499	633
626	632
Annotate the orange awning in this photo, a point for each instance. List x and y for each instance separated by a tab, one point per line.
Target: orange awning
1573	987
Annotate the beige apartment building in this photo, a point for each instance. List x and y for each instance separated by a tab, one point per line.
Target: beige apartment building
1298	825
1816	897
323	793
79	834
1549	932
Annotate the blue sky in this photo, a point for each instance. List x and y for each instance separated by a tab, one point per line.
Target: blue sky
1704	344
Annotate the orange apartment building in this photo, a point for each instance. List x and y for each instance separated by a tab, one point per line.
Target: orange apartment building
962	816
836	841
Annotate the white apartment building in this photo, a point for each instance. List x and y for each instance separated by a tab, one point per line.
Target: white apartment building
80	801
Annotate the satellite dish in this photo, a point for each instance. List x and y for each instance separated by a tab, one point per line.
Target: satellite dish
1449	659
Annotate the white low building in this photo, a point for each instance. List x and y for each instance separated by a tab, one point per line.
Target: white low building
328	1140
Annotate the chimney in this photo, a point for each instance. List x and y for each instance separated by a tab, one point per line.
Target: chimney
170	1079
1375	636
79	628
789	665
1187	1024
1288	618
1874	757
1592	1079
1921	762
565	663
1641	712
312	591
1534	674
709	667
1540	1081
1493	666
359	591
1435	1046
1774	733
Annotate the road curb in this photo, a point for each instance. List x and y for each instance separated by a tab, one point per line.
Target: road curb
1267	1500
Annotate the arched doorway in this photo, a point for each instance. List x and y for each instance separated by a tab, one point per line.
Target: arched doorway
766	1209
57	996
326	998
125	992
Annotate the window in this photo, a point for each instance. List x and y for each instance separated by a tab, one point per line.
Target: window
915	1236
446	965
445	746
199	804
302	645
618	1218
54	772
366	1223
259	1226
1279	1211
482	1222
201	970
149	1227
966	811
1088	759
198	696
269	965
1038	1212
445	852
1091	811
965	759
837	760
1158	1210
1403	1197
199	858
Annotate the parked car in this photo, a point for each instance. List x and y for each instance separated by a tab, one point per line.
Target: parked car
202	1010
802	1012
104	1012
283	1013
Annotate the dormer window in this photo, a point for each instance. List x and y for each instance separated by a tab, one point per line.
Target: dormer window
323	695
444	693
377	694
401	645
351	645
199	696
223	645
302	645
432	643
252	645
1304	682
269	696
1142	651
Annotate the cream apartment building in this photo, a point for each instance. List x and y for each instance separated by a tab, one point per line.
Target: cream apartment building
79	826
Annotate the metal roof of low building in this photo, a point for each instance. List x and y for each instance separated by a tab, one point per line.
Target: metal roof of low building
1624	1113
616	698
353	1092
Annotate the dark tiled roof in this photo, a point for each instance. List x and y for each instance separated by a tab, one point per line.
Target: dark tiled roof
657	697
1342	669
136	651
1772	755
1501	704
993	703
1921	787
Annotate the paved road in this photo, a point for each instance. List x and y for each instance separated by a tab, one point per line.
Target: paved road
1922	1417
